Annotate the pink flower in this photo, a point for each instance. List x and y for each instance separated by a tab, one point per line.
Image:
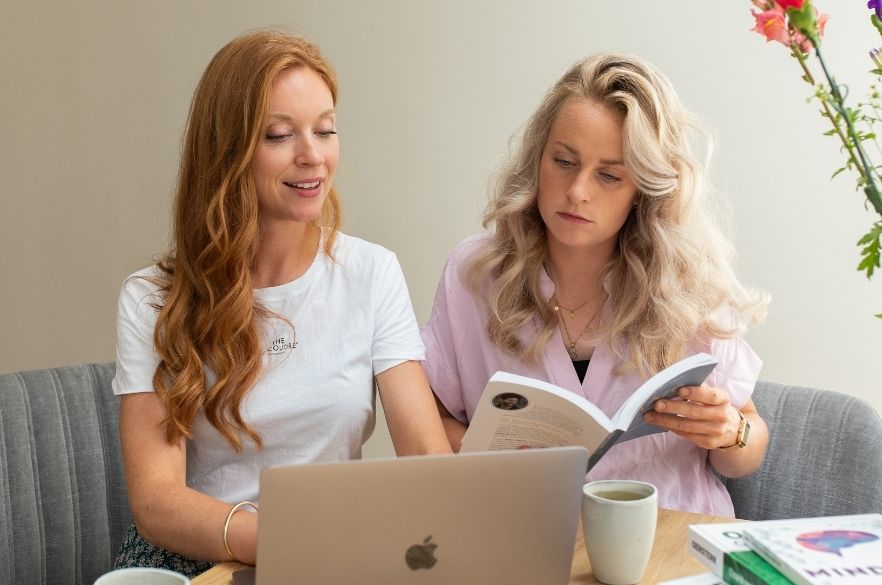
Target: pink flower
772	25
822	22
785	4
775	25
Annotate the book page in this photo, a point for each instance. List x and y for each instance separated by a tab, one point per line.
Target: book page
690	371
516	412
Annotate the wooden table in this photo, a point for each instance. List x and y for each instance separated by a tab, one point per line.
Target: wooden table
669	559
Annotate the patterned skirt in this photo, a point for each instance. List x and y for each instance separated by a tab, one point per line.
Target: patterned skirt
137	552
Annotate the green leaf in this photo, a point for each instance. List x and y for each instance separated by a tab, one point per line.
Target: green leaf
871	253
865	239
867	267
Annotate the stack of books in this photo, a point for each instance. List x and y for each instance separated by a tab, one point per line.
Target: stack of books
832	550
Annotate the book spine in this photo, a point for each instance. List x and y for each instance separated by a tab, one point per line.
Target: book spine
771	558
610	440
706	551
748	568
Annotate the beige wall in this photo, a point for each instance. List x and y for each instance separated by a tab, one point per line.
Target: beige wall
95	96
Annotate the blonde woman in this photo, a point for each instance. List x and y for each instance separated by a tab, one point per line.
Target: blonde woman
257	339
603	266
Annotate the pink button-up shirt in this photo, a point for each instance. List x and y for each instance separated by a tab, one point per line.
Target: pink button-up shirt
460	359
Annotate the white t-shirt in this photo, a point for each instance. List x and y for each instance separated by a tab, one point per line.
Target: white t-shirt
314	401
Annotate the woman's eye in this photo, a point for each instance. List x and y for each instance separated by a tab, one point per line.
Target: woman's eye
326	133
608	178
272	137
564	163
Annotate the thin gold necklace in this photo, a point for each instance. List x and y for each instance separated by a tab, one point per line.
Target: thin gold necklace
572	343
558	307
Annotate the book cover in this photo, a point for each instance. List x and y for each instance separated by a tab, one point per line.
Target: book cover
517	412
721	548
748	568
833	550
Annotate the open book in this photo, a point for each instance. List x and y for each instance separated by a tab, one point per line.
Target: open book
516	412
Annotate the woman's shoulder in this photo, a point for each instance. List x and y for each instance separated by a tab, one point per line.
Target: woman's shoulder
466	249
143	286
458	277
353	252
344	244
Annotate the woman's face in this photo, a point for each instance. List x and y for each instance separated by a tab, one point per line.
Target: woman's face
295	162
585	192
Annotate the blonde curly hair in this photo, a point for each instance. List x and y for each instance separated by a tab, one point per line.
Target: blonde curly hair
671	274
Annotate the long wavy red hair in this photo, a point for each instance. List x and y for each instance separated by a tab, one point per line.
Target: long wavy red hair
208	333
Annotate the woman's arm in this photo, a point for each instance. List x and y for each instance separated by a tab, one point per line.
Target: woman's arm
739	462
413	420
706	418
168	513
452	426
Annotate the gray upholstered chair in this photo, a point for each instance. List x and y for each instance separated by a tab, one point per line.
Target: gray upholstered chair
824	457
63	505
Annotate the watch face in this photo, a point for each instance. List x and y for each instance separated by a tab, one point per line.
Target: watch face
742	436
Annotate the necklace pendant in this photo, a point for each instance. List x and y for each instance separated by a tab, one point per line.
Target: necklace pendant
572	314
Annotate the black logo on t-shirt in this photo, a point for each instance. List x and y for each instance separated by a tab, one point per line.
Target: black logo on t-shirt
282	345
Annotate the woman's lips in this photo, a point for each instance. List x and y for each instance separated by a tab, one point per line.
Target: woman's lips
572	217
308	188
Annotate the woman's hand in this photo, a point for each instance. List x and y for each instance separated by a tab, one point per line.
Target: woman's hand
705	417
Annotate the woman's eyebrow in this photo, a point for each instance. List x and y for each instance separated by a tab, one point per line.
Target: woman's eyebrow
285	117
574	152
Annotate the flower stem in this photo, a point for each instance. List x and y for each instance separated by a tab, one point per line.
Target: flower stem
868	172
800	56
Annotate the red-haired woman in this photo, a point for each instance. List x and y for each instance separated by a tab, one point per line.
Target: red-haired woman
258	337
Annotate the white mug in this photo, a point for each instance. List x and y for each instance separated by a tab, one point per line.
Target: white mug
618	523
142	576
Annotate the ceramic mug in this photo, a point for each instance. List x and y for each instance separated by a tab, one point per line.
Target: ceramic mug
142	576
618	523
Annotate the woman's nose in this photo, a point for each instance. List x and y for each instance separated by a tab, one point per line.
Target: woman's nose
579	190
308	154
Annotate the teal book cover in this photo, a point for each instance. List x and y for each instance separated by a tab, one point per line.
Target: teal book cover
748	568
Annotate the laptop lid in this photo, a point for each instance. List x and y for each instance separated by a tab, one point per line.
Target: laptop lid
475	518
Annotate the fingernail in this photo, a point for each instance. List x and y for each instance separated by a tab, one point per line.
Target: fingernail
660	405
684	393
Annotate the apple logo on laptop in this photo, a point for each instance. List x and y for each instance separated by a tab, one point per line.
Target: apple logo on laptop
421	556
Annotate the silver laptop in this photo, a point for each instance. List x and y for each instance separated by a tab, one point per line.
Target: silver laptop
506	517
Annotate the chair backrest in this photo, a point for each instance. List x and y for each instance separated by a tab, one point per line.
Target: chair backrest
63	504
824	456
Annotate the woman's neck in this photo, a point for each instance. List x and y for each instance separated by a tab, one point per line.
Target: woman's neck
576	273
285	253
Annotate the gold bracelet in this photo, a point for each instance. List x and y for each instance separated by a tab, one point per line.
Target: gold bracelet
232	511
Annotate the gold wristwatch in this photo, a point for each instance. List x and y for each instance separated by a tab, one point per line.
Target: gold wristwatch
743	433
